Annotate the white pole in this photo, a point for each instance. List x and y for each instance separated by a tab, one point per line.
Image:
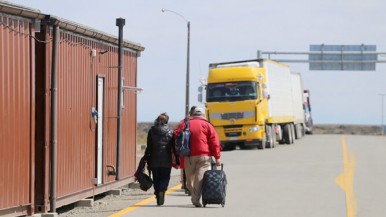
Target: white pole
382	126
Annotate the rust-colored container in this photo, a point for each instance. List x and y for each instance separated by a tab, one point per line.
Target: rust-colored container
79	73
87	84
16	115
75	144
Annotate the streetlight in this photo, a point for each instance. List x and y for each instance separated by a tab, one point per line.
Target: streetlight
187	60
382	127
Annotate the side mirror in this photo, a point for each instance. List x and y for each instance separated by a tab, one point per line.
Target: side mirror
200	97
200	89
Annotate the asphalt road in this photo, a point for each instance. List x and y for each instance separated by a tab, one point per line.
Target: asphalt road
319	175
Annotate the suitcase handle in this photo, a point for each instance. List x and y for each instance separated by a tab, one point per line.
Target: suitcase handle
213	165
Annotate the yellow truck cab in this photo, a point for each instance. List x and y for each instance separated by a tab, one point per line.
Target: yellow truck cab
251	103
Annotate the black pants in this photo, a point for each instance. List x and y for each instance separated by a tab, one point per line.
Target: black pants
161	178
184	179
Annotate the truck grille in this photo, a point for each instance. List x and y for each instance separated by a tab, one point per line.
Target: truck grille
232	115
232	131
232	134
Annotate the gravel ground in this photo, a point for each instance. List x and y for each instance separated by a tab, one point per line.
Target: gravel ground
105	205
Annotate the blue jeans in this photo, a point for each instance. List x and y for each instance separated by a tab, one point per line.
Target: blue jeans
161	178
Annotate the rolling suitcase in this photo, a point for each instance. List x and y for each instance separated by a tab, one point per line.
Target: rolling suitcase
214	186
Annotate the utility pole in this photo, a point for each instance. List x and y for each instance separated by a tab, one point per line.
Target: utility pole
187	60
120	22
382	126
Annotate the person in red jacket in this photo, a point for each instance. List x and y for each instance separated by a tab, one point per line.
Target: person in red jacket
182	163
204	143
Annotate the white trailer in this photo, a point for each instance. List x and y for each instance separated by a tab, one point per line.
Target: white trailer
298	104
285	103
280	105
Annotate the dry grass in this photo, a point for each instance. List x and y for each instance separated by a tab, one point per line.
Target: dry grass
347	129
143	128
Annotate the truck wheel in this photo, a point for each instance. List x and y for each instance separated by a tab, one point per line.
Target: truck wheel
298	131
270	137
273	137
261	144
287	134
292	126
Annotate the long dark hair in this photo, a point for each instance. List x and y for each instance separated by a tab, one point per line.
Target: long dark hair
162	119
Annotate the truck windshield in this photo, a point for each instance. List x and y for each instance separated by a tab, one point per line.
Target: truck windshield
231	91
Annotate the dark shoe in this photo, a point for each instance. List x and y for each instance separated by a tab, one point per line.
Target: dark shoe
197	204
158	202
187	192
161	198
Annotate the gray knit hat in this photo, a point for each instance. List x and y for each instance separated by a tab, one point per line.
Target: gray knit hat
199	112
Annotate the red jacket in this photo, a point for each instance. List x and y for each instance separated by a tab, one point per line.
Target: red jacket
203	138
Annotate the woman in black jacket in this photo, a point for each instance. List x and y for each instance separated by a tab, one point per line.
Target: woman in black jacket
158	154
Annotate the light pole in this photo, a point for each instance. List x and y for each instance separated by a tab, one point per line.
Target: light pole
187	60
382	127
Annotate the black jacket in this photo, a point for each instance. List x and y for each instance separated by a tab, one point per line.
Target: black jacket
160	147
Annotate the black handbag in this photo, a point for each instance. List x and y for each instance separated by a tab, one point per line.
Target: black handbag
145	182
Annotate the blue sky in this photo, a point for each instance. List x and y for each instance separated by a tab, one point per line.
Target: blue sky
227	30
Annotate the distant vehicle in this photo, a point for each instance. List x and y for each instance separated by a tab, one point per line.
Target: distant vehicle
308	116
254	103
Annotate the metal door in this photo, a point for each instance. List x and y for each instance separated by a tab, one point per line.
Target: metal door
100	103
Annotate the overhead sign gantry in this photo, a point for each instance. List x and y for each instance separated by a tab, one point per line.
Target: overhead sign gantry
335	57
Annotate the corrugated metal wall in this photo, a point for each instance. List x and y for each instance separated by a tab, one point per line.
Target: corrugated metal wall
111	97
76	134
16	113
25	71
77	77
129	115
